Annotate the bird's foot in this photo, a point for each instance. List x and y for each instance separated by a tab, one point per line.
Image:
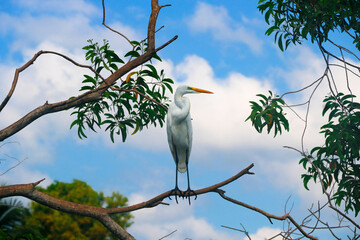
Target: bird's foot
176	192
188	193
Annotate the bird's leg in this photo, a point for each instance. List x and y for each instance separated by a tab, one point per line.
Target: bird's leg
176	189
189	191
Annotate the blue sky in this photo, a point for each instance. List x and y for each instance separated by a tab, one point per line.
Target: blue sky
222	48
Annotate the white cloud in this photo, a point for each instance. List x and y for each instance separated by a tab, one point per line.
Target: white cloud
70	31
265	233
216	20
285	174
51	6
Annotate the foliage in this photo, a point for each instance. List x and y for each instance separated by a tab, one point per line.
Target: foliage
268	113
294	20
338	159
12	213
12	221
53	224
127	105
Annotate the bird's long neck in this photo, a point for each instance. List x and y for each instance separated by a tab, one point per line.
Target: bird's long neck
182	103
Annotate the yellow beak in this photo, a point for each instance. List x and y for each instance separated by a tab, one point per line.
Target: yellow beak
200	90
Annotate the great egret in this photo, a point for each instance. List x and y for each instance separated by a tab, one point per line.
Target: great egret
179	133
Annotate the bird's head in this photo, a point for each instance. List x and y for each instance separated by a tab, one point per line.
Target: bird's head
183	89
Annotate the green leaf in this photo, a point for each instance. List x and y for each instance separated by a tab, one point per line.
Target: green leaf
83	88
89	79
132	54
75	122
280	44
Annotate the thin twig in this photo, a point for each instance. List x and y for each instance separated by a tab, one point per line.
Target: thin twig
266	214
343	48
243	231
168	234
12	167
302	89
113	30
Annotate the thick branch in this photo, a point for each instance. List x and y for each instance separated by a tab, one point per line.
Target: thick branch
29	191
114	227
99	213
158	199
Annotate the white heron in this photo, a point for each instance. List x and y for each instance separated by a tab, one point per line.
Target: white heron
179	133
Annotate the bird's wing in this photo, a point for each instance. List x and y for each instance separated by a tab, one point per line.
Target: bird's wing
169	132
189	135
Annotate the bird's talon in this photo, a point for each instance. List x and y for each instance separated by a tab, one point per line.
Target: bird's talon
175	193
188	193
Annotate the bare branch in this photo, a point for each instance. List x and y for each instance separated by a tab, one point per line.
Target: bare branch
114	227
29	63
266	214
103	22
336	57
243	231
168	235
12	167
307	113
345	216
304	88
343	48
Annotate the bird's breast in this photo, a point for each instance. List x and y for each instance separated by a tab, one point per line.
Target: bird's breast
180	134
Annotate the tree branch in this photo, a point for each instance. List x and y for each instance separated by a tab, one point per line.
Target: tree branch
158	199
102	214
29	63
266	214
29	191
103	22
114	227
94	94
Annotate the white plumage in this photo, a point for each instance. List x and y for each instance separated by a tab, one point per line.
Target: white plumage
179	129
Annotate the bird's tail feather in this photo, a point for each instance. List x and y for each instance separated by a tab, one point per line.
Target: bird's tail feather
182	167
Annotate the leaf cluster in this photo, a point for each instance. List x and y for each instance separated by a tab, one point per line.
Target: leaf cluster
295	20
268	112
135	103
338	160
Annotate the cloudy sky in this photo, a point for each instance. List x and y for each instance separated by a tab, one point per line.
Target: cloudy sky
221	48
